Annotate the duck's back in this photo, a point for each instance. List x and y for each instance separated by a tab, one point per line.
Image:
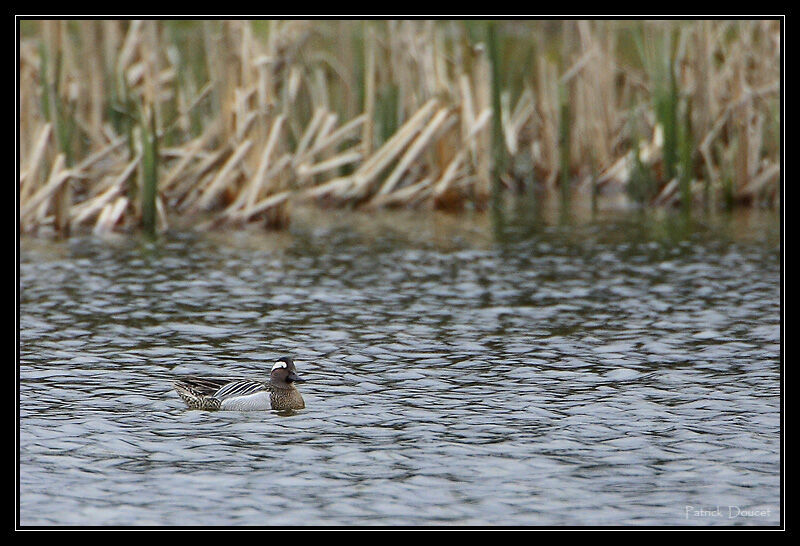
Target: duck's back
223	394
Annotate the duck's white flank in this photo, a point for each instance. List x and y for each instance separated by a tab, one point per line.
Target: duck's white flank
257	401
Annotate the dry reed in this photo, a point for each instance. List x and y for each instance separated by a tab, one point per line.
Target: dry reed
129	123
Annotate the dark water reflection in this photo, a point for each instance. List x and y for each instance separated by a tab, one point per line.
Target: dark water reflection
513	372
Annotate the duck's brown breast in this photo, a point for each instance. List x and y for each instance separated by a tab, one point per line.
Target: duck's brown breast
285	399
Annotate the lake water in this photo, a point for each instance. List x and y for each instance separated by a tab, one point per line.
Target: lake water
525	370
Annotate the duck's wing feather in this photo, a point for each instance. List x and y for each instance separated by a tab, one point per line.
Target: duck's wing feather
239	387
200	386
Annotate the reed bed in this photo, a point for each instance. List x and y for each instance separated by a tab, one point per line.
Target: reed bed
125	124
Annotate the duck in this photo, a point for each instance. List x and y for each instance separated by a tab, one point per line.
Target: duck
242	394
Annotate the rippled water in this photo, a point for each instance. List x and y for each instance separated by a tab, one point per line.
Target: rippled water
516	372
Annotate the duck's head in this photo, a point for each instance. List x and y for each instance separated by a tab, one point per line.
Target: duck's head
284	373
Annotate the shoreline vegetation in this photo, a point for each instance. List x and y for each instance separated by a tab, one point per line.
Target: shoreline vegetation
131	124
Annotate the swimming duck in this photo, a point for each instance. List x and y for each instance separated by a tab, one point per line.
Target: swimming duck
279	393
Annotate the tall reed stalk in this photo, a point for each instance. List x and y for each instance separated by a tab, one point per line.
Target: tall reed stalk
149	171
498	144
564	124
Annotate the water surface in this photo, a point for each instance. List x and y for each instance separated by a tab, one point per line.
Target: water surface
515	371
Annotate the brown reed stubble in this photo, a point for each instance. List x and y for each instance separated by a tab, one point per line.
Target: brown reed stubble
251	117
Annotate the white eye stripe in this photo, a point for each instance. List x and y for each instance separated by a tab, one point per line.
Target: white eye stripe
279	364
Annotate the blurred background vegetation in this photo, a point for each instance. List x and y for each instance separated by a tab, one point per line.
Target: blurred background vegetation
128	124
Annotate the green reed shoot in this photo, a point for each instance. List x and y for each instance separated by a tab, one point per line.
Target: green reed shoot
149	171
